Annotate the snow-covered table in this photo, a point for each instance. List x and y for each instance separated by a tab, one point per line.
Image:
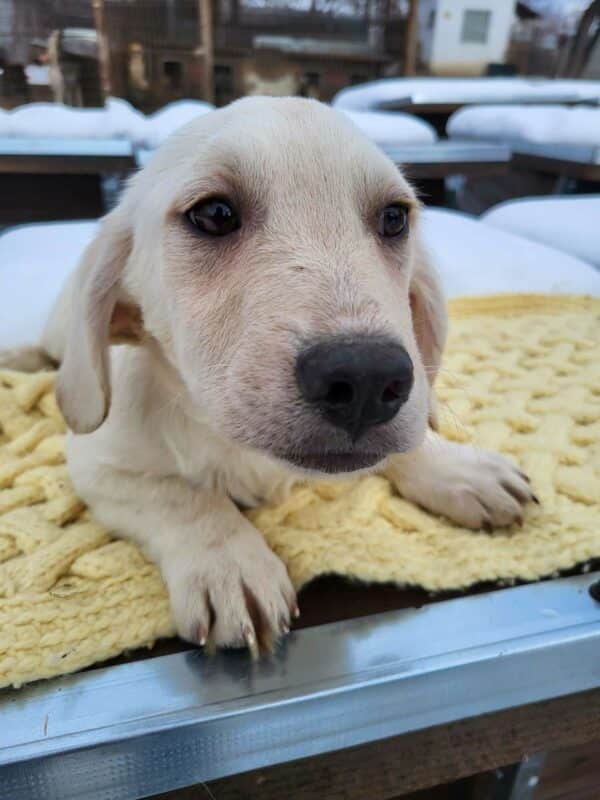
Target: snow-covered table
446	92
62	156
53	178
436	99
553	147
539	125
429	165
443	159
581	162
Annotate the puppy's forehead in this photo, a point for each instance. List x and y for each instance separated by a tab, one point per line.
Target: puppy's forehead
273	145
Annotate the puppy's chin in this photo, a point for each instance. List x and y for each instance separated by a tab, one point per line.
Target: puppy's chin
326	464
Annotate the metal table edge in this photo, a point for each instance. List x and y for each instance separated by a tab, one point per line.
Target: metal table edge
232	716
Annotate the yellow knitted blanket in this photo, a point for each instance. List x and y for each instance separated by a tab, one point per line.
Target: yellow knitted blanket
521	375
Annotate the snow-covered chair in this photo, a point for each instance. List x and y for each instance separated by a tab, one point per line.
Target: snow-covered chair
570	223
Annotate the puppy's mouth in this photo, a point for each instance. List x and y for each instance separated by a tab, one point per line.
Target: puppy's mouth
333	463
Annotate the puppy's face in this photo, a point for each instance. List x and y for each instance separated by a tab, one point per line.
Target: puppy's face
273	258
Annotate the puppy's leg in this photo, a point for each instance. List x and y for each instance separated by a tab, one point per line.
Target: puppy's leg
225	584
472	487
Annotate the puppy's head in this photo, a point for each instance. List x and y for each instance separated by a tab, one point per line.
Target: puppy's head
272	254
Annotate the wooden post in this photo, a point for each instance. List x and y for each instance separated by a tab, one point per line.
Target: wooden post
103	47
206	51
412	38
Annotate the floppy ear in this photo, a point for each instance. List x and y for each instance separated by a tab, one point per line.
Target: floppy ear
430	321
98	318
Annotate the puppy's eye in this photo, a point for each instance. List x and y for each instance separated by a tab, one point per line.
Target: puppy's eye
215	216
393	220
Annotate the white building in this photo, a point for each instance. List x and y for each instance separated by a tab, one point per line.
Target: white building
461	37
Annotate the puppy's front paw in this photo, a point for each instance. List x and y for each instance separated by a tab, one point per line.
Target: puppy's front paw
472	487
236	594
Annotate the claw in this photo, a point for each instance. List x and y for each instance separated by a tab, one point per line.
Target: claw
525	477
535	499
296	612
250	640
200	636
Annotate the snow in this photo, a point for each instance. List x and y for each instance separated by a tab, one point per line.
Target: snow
461	90
35	260
551	124
472	257
386	127
570	224
167	120
117	120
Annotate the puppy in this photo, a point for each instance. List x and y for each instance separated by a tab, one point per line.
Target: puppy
276	319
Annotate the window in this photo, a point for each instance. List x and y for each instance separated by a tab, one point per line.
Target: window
475	26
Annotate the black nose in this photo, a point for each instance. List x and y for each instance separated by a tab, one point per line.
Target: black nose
355	384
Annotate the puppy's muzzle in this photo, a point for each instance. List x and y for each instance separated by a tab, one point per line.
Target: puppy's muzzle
355	383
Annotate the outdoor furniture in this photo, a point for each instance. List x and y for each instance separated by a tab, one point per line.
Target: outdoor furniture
568	223
579	162
555	150
48	179
387	128
465	91
429	165
436	99
539	125
439	113
381	691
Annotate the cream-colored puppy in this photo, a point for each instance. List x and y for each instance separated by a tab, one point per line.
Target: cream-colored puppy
280	320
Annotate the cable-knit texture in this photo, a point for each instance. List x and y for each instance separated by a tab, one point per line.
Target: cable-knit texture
521	375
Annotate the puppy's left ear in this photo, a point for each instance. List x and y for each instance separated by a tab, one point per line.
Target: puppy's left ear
100	316
430	320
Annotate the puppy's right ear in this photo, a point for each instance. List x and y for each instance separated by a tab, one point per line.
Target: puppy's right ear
83	386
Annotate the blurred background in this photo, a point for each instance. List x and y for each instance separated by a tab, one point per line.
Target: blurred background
151	52
479	101
491	108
